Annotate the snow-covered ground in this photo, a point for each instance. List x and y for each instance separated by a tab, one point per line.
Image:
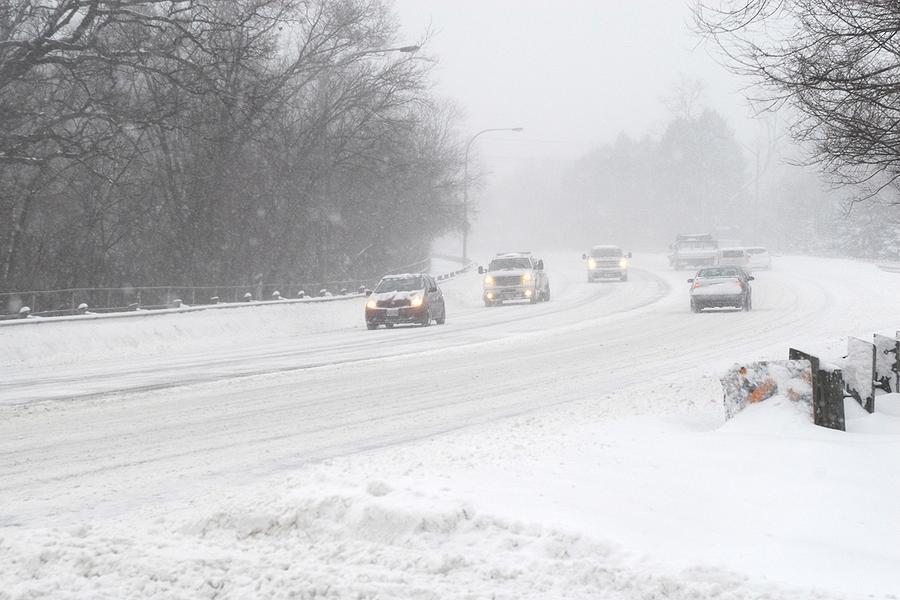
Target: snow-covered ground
570	449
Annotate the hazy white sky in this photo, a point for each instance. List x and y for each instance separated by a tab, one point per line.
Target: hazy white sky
574	73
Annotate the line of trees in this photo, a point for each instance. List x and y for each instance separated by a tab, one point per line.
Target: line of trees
637	192
191	142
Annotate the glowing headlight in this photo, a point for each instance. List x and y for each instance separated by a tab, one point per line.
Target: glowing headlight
592	264
527	277
623	262
417	301
488	280
372	303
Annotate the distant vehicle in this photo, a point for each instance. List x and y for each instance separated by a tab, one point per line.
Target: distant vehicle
693	250
607	262
514	276
410	298
721	286
759	258
735	257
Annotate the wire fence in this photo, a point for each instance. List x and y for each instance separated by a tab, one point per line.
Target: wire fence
72	301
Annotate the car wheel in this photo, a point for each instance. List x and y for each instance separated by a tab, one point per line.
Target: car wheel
624	277
443	318
388	325
547	295
426	320
748	304
535	298
695	307
371	325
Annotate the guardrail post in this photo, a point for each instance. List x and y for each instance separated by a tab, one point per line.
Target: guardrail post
828	392
830	403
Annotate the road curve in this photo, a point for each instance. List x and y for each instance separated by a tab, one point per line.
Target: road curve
110	438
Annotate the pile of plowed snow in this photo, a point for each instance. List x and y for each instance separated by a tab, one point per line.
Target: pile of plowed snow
85	339
765	506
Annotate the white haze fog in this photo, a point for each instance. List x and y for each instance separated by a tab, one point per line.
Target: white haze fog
244	355
578	75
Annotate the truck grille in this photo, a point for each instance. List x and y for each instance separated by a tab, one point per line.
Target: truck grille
507	280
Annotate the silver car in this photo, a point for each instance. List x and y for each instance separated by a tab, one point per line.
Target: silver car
721	287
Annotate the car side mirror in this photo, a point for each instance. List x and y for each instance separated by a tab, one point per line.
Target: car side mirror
368	292
691	280
481	270
628	255
751	278
584	257
540	265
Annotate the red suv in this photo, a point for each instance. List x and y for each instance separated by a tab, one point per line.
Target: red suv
410	299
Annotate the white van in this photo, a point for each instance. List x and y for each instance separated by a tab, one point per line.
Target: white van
735	257
759	257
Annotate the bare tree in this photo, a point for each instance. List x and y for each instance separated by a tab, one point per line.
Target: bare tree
213	141
836	62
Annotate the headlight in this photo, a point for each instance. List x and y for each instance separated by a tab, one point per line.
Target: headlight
417	301
527	277
592	264
488	280
623	262
372	303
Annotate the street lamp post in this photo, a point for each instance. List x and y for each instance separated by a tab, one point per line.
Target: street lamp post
465	233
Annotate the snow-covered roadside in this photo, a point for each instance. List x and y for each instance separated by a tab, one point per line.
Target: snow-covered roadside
93	340
675	507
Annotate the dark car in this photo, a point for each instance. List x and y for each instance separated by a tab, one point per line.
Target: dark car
721	287
408	299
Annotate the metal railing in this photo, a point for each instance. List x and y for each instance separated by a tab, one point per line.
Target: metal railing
73	301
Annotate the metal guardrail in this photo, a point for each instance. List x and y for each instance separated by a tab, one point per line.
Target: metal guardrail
890	267
172	298
66	302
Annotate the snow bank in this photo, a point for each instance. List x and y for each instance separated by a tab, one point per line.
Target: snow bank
765	506
342	542
89	340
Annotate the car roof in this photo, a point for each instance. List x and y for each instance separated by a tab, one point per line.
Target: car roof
736	269
733	249
513	255
606	247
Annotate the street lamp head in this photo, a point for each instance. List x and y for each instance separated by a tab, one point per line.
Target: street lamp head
408	49
517	129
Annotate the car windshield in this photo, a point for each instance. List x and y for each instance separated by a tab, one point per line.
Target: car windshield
732	253
400	284
605	252
506	264
718	272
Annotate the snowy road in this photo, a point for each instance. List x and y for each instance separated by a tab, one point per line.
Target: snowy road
123	438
